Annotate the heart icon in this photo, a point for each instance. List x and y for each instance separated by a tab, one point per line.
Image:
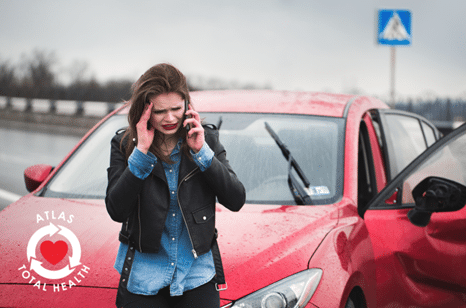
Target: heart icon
53	252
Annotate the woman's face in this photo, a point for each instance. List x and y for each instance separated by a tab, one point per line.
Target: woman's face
167	113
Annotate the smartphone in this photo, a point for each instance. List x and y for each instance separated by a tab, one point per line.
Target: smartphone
186	108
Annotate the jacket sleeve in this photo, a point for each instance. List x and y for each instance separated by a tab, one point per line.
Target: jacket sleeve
221	177
123	186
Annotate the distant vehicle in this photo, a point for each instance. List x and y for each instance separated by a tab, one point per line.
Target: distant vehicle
331	180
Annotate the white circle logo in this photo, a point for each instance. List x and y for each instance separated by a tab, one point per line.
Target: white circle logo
54	252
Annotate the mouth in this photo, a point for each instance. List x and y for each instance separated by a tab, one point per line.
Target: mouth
170	126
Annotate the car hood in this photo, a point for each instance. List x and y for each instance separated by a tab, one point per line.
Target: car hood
259	245
90	239
264	243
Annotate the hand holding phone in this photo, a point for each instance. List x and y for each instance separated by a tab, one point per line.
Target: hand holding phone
195	136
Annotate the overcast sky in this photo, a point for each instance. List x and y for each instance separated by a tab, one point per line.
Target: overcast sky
326	45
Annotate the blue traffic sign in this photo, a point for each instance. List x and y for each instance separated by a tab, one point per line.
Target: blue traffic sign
394	27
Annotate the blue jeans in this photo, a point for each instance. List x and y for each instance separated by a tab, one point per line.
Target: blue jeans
205	296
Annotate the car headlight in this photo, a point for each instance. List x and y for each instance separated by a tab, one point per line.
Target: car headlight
292	292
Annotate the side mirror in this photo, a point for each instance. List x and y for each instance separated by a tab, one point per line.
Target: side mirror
35	175
435	194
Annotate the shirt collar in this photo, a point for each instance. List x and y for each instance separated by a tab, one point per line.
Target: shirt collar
176	149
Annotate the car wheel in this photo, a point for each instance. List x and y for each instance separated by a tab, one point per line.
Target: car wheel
350	304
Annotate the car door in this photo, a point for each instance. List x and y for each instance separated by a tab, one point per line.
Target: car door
420	266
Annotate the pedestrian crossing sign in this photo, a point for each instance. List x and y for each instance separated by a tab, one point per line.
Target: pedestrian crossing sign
394	27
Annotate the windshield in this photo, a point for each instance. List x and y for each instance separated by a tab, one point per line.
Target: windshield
315	143
84	174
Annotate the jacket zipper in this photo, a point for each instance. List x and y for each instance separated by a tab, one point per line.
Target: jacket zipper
187	177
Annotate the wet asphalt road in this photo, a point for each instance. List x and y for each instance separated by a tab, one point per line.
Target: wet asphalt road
20	149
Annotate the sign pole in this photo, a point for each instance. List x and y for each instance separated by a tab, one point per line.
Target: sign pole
392	74
394	28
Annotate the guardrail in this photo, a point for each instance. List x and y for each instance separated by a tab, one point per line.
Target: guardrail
52	116
58	107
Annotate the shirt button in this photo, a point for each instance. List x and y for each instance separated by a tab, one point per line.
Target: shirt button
173	239
173	264
152	165
171	170
174	214
199	158
205	218
173	192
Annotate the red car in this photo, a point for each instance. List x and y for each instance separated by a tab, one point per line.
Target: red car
337	215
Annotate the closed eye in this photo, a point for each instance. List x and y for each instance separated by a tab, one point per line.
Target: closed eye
164	110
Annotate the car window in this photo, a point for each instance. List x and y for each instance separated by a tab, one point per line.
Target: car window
316	143
429	133
367	186
448	162
407	139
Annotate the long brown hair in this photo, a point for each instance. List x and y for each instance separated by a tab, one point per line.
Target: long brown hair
161	78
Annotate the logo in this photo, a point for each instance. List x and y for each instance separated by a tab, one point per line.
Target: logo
54	254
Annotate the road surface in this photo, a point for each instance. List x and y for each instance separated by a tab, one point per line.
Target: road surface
20	149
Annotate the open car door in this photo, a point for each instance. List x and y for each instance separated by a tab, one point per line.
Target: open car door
417	225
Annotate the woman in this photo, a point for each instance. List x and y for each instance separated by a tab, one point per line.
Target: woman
163	183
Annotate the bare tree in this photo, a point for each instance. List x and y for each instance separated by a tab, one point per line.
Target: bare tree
79	72
38	76
8	80
117	90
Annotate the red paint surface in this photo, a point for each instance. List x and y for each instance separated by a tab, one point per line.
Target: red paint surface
35	175
429	262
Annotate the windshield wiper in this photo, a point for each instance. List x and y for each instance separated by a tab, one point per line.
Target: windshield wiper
299	192
219	123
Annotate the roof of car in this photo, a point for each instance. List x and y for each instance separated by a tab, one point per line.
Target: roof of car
271	101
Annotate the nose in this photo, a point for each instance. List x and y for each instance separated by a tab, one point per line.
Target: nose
169	117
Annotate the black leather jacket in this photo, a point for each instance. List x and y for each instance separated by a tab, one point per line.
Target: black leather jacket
142	205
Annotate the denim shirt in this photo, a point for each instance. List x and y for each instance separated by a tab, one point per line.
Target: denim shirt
174	265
